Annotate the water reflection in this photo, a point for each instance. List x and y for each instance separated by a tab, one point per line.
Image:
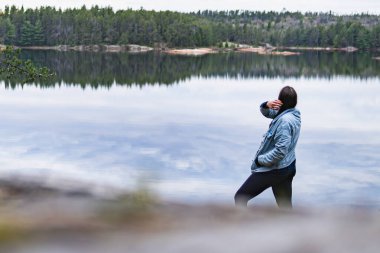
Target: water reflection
106	69
195	140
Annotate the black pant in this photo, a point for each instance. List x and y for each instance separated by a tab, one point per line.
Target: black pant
280	180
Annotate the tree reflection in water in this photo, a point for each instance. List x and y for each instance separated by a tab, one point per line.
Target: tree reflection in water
89	69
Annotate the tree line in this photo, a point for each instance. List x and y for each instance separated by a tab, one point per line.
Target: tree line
48	26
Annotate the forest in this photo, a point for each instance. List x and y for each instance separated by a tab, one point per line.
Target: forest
48	26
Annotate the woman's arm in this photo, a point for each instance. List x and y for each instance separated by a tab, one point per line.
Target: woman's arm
270	108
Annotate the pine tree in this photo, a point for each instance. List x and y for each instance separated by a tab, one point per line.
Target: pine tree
27	34
123	38
38	35
10	32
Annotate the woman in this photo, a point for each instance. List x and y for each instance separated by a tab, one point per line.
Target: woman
275	162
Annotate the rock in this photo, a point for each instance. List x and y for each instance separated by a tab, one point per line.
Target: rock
252	49
137	48
161	46
349	49
264	51
194	52
113	48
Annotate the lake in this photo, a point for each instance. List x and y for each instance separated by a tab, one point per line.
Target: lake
188	127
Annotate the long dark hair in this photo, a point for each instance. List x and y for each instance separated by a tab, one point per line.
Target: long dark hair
288	97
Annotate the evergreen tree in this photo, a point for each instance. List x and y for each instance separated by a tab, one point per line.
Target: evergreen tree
7	32
27	34
123	38
38	35
10	34
12	67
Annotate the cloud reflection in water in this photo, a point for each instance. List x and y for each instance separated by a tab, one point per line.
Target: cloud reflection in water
195	140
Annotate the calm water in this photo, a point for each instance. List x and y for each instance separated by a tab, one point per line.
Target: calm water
188	127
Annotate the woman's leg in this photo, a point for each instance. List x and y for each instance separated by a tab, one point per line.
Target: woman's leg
283	191
255	184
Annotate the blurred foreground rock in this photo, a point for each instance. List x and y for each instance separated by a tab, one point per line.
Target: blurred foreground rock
37	219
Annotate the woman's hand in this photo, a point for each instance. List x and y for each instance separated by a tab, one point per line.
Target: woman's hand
275	104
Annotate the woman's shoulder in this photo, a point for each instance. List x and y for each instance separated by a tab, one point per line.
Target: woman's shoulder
292	116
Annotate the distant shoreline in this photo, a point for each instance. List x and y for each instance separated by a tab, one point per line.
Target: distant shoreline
132	48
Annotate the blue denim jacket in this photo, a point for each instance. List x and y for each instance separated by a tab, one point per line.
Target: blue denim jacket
277	150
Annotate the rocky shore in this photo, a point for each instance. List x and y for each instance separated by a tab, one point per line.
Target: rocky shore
204	51
37	218
343	49
195	51
263	50
95	48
